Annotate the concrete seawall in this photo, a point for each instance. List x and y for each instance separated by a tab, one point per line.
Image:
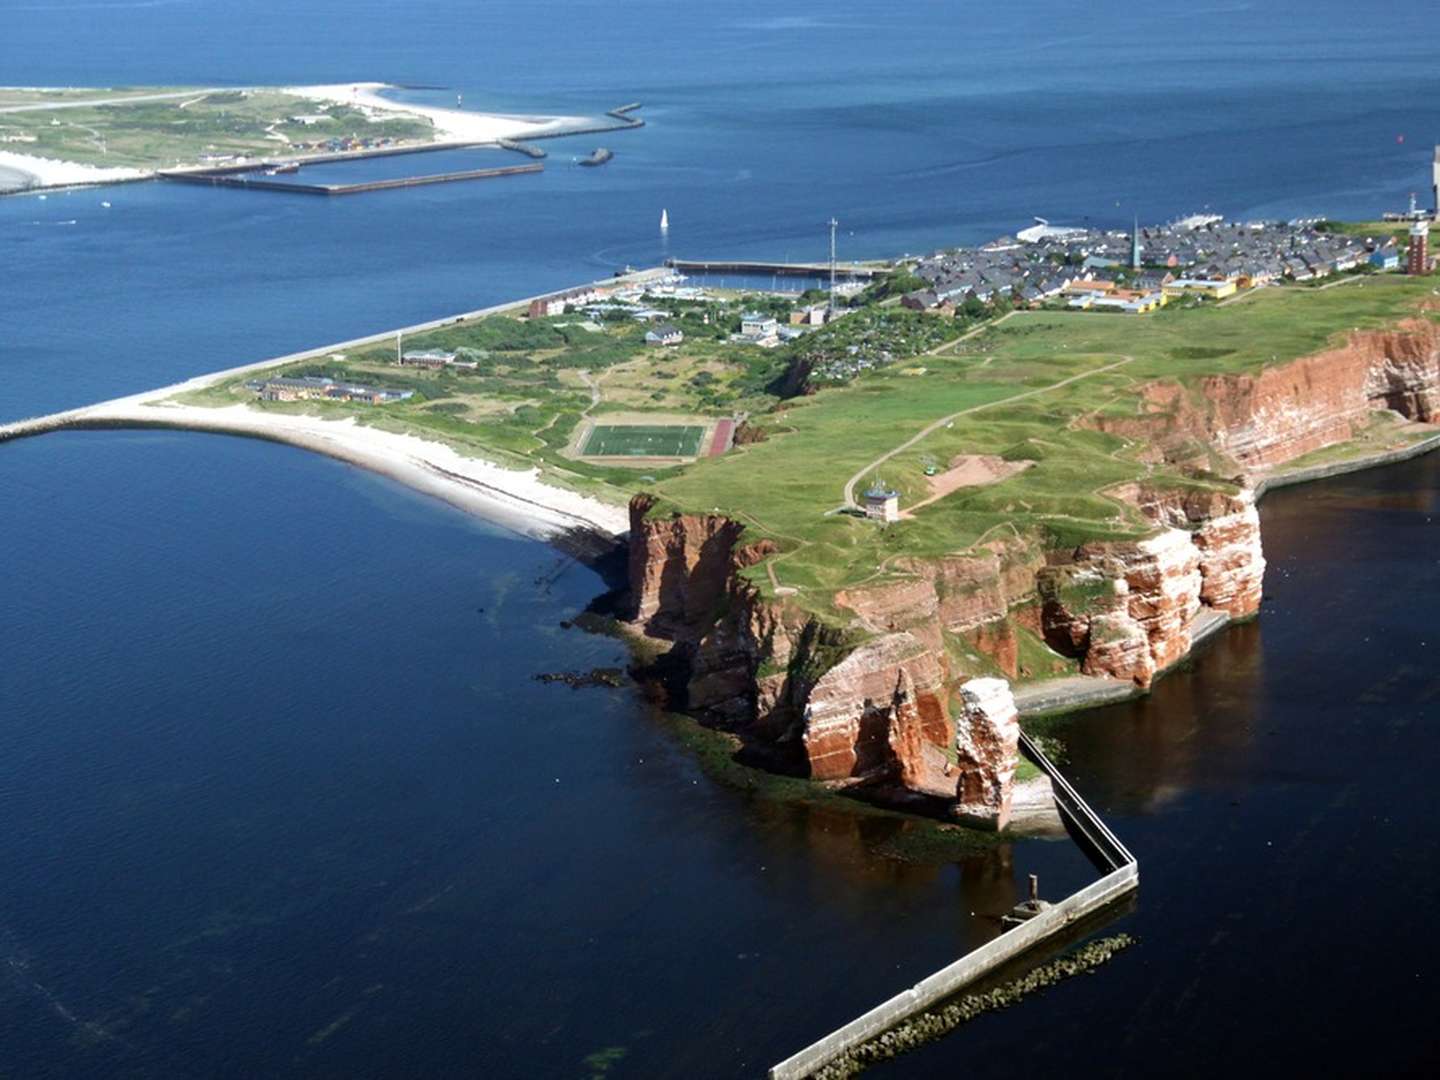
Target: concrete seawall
1340	468
1123	877
267	183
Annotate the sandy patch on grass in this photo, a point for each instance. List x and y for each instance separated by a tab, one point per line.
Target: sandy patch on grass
969	470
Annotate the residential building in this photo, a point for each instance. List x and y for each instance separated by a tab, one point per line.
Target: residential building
664	334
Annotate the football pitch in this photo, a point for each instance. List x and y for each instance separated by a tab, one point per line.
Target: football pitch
627	440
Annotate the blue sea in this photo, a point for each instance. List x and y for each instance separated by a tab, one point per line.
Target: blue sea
278	795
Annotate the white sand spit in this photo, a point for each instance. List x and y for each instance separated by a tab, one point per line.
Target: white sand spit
48	172
515	498
459	125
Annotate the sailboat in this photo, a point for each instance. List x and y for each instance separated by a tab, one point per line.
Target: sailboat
664	220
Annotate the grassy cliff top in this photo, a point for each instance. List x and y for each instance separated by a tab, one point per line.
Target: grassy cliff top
1017	391
986	425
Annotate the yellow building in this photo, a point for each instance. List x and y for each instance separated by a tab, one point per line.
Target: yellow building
1214	290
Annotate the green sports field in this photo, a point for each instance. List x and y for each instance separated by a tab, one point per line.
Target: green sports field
644	440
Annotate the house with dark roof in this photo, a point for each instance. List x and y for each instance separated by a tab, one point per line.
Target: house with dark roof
664	334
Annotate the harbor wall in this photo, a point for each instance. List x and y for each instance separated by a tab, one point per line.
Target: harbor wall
1122	878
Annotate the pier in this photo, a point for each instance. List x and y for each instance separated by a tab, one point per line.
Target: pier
782	269
1096	839
271	183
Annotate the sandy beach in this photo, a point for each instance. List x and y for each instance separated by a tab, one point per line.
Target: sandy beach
518	499
458	125
515	498
27	171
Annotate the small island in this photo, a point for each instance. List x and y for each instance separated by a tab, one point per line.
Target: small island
867	526
65	137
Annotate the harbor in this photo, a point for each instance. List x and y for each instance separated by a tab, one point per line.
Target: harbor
268	180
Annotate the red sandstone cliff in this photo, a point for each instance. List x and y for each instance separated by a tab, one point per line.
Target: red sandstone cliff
1291	409
878	700
1126	609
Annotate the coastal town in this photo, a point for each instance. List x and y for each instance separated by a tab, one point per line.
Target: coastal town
1142	269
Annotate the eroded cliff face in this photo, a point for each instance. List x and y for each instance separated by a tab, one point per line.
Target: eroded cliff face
1127	609
869	703
1285	411
878	696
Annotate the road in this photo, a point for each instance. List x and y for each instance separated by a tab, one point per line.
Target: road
91	103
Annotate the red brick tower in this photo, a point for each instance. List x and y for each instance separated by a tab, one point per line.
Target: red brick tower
1419	258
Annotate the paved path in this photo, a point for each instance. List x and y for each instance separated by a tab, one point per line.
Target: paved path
938	349
91	103
931	429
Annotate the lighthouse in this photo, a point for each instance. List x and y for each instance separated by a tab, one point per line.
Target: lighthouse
1418	260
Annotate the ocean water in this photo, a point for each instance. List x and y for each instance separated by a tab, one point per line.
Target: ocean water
278	795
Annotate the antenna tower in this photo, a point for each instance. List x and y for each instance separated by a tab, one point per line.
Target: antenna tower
833	225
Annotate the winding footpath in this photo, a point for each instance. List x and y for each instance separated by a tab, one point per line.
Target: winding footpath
849	495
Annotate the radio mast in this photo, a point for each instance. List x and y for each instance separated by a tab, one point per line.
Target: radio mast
833	224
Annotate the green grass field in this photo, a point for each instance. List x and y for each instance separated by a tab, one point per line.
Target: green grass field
631	440
1026	390
180	130
787	487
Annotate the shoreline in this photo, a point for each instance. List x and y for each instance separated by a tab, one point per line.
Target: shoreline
25	174
515	499
518	499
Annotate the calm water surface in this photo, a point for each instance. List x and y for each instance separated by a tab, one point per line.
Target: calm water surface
277	794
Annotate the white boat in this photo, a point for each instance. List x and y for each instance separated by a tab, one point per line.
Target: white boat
106	205
664	220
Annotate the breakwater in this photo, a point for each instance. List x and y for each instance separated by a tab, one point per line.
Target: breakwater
271	183
1121	879
240	175
941	1021
518	147
783	269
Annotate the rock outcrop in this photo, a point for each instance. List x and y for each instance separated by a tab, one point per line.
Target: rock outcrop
987	739
1126	609
873	714
680	565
